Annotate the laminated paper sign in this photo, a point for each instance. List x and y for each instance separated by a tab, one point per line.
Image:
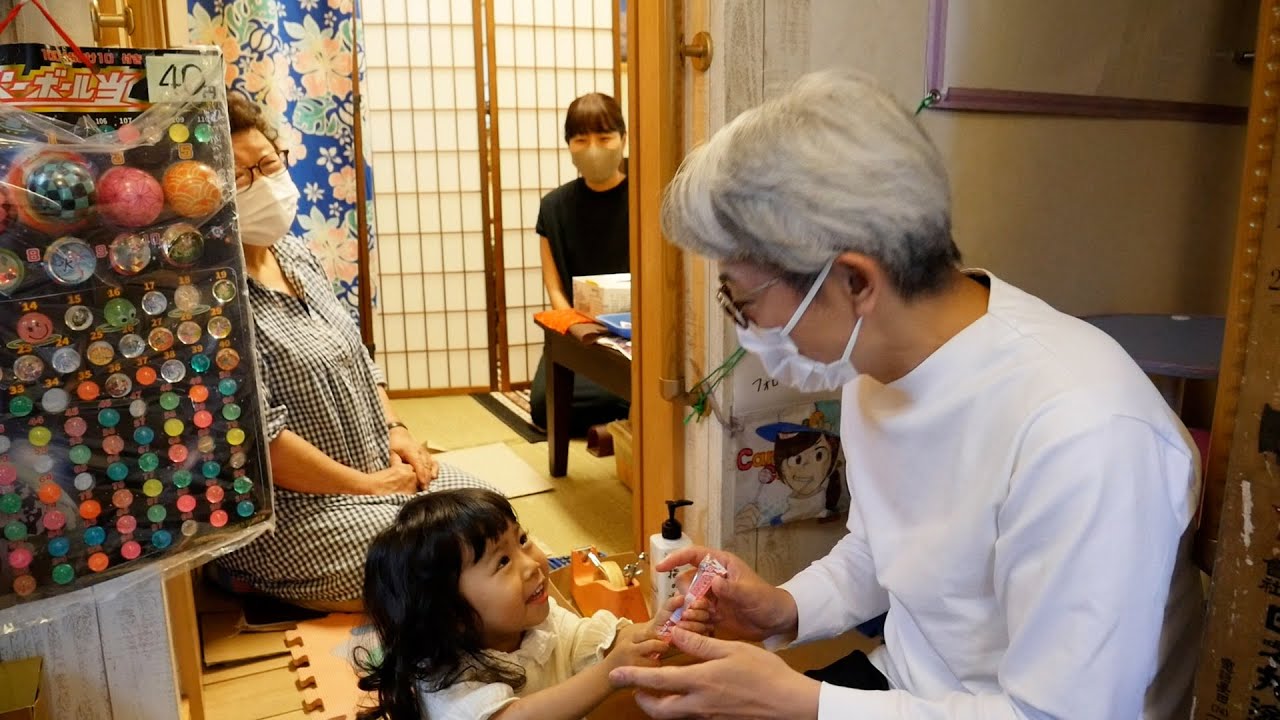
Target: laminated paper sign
790	466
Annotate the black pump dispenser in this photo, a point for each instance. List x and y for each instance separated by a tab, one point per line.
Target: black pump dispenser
671	529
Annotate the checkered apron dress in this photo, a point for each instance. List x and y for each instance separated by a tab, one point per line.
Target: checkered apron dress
319	382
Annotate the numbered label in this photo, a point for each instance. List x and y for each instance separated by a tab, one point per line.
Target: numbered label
179	77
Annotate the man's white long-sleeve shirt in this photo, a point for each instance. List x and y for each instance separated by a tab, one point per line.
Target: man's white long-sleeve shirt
1021	503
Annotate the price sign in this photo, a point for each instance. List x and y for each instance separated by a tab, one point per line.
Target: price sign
179	77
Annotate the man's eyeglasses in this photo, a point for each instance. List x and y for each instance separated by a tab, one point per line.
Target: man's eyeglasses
733	308
267	166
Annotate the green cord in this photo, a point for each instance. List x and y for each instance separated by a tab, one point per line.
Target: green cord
701	390
929	101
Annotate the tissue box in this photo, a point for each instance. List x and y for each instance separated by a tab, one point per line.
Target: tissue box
20	692
602	294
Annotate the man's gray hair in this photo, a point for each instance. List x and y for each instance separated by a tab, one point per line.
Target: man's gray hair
832	165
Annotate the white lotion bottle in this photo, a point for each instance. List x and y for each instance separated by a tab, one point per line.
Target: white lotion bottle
671	539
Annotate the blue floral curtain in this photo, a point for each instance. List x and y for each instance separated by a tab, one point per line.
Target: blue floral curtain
294	57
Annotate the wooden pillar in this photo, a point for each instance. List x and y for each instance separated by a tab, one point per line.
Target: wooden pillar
655	75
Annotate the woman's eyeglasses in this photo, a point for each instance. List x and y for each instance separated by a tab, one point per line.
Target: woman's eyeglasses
733	308
267	166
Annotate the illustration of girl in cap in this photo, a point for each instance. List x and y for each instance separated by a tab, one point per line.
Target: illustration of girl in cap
807	459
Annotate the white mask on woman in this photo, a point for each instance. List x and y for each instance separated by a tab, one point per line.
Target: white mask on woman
782	359
266	209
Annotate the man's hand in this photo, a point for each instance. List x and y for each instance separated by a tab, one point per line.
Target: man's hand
425	468
743	604
736	680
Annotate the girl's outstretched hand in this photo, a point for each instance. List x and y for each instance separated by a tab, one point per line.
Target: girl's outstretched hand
635	645
695	618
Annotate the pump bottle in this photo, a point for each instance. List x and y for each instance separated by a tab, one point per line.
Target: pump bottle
671	539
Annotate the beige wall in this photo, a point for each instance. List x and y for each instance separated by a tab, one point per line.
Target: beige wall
31	26
1092	215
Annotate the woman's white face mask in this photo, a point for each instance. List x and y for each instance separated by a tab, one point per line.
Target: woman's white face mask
597	163
783	360
266	209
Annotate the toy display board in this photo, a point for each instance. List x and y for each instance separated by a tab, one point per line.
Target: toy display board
789	466
130	426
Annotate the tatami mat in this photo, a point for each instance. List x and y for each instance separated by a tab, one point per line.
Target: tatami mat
587	507
452	422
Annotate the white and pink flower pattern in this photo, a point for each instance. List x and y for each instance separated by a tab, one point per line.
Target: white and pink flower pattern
295	58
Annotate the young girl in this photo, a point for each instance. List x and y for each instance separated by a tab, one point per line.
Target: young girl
458	594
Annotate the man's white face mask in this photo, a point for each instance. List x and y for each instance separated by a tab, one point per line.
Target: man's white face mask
783	360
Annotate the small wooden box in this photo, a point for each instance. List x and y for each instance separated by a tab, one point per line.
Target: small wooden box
22	694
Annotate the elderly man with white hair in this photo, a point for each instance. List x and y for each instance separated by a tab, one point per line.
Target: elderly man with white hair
1022	494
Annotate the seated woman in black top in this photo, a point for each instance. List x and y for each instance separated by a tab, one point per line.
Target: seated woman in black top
584	229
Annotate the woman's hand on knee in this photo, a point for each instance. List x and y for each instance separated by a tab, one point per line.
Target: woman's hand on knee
424	466
397	479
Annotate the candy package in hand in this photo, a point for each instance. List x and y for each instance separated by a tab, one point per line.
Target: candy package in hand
708	569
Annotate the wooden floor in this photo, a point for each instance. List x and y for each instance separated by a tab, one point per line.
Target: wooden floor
265	690
589	507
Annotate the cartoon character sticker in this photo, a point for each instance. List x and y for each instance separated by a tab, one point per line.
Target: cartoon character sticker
800	476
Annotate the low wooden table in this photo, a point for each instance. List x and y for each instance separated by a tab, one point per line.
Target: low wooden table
567	356
1176	347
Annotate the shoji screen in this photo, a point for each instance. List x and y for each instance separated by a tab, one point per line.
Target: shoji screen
423	84
545	53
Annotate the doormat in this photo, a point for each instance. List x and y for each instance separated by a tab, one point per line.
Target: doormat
498	465
512	408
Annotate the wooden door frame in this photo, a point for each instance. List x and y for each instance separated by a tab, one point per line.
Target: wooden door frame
655	77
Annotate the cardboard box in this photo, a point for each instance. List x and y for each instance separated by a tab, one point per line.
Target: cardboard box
595	295
21	693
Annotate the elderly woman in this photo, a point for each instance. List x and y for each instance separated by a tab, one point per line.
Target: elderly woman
1021	492
342	464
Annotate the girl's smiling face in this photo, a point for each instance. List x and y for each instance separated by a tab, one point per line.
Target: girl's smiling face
507	587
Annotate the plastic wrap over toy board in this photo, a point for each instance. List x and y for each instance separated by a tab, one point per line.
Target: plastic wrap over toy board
131	433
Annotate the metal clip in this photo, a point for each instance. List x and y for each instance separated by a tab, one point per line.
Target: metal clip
631	571
730	423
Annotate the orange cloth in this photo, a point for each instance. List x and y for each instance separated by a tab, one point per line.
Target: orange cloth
561	320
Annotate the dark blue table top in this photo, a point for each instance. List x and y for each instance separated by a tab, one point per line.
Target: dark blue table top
1182	346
